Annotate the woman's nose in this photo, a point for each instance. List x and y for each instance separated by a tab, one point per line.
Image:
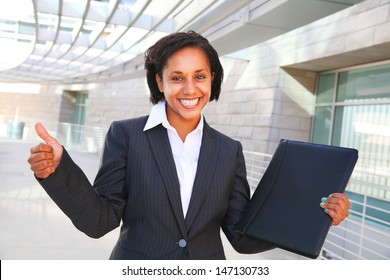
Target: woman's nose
189	86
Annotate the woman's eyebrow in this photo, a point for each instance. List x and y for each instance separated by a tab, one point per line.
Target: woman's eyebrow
180	72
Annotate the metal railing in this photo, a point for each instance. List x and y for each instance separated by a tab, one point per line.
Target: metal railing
72	136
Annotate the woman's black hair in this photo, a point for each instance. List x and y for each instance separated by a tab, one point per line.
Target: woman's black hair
157	55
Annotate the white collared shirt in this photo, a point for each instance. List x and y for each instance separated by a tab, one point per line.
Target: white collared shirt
185	154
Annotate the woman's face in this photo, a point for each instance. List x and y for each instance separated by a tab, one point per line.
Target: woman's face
186	84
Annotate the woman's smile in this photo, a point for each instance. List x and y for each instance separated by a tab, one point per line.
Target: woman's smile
189	103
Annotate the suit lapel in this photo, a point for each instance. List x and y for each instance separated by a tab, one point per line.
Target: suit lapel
205	170
161	149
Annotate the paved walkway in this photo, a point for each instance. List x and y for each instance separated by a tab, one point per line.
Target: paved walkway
33	227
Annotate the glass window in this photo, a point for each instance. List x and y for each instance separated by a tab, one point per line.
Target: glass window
80	109
357	115
367	128
325	88
364	84
79	117
322	122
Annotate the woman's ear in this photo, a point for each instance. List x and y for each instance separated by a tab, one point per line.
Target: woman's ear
159	83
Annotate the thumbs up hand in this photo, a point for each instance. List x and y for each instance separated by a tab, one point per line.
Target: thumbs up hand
44	158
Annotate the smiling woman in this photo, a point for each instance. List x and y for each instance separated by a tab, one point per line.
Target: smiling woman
169	178
17	37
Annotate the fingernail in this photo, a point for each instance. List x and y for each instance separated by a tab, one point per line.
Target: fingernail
324	199
326	210
330	196
322	204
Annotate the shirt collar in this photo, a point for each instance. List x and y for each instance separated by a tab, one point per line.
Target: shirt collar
158	115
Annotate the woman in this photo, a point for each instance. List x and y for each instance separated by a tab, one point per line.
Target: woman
171	179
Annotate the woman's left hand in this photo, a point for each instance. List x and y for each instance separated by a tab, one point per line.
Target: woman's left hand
336	206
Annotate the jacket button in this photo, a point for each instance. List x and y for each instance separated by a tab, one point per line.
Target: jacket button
182	243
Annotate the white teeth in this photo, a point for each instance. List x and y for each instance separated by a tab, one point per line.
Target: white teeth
189	102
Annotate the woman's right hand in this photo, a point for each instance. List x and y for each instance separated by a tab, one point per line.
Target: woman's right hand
44	158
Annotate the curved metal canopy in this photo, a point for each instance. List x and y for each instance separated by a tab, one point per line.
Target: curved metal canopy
77	41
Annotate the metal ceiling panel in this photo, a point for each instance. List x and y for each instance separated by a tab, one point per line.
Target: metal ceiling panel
69	41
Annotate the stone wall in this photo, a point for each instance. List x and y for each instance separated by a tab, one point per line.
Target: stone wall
28	108
117	100
42	105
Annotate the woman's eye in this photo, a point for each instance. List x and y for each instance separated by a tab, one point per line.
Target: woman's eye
177	78
200	77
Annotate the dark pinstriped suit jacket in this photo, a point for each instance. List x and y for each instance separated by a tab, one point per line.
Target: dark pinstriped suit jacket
137	185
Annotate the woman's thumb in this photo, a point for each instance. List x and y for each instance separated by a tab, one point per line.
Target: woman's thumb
42	133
